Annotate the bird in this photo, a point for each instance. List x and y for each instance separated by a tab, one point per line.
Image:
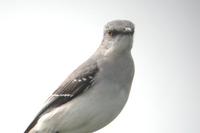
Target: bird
95	93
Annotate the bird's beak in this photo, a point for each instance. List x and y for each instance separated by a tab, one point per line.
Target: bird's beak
128	29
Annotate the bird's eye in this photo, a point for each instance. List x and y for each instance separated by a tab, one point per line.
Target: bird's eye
112	33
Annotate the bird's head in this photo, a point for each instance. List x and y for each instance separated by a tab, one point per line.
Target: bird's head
118	37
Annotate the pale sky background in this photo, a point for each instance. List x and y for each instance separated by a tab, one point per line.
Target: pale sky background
42	41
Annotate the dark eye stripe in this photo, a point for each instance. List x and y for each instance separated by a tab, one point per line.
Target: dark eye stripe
113	32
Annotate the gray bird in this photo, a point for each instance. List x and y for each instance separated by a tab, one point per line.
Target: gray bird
96	92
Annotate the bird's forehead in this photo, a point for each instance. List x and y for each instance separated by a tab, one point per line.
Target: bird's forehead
119	25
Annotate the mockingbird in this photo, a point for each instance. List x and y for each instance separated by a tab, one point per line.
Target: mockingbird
95	93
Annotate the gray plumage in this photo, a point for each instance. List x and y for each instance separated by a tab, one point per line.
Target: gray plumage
95	93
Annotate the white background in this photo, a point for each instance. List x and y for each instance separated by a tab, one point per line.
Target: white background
41	42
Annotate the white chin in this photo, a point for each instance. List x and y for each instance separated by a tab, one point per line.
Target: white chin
119	45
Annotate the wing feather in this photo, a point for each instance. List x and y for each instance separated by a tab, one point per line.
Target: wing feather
75	85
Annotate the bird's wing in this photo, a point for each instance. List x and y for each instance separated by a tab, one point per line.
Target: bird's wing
78	82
